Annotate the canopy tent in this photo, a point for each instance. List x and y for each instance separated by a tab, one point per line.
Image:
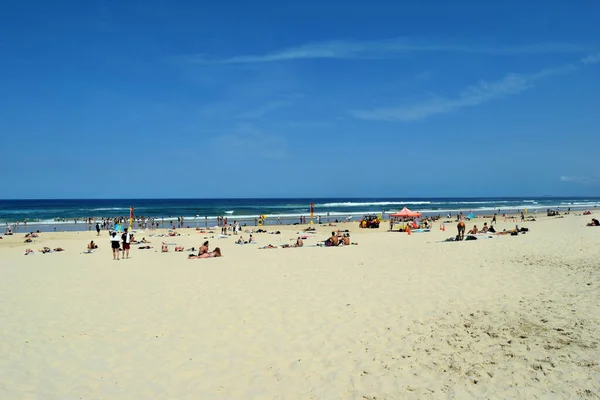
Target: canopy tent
471	216
406	213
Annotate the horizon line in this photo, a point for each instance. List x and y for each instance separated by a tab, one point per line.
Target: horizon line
525	197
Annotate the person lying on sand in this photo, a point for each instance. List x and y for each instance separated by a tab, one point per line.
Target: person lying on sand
269	246
144	247
215	253
28	240
92	245
48	250
29	251
178	248
474	230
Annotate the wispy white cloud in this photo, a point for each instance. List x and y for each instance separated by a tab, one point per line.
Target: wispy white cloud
592	59
581	179
480	93
388	48
263	110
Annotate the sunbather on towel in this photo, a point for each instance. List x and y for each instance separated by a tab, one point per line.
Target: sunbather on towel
215	253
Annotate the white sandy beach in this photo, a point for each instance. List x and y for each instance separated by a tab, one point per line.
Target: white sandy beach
395	317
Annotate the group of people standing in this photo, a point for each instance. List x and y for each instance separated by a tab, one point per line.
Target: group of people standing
115	243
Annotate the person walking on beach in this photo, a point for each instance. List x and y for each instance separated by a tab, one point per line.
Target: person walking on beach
114	244
493	219
126	237
522	217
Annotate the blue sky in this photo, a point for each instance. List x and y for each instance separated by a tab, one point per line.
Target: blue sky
105	99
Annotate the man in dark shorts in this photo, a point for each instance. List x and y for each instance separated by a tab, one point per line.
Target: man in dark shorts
126	238
97	229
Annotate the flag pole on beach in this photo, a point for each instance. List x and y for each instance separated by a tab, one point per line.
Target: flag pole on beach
130	218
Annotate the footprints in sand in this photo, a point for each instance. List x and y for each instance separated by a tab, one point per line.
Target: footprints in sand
503	351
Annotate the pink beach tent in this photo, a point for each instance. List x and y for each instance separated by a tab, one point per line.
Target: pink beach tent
406	213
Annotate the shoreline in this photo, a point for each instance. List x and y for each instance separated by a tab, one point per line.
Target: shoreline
271	220
205	211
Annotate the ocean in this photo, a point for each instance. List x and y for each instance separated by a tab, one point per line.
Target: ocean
47	215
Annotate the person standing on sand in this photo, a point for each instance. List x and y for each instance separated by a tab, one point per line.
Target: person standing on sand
126	237
461	230
114	244
97	229
493	220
